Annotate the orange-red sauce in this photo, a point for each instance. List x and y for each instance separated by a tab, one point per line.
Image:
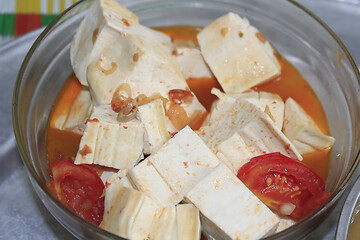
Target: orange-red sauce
289	84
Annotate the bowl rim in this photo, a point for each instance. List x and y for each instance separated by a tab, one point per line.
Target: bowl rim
34	176
347	211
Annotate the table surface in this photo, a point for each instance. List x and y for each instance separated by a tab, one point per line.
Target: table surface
23	216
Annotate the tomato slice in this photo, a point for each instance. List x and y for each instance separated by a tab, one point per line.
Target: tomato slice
79	188
285	185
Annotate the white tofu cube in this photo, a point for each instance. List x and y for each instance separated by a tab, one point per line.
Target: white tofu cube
152	115
164	226
148	180
183	161
254	61
192	64
77	114
116	145
240	131
302	131
229	205
188	222
128	213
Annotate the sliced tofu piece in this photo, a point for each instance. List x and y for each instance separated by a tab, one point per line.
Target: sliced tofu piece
285	222
240	131
111	48
192	64
116	145
148	180
152	115
188	222
145	218
271	104
227	203
77	114
302	131
121	207
164	226
254	61
183	161
119	177
128	212
102	17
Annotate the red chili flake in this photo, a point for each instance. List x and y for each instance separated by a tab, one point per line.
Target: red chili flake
173	134
92	120
186	164
179	96
126	23
85	150
125	127
174	53
107	184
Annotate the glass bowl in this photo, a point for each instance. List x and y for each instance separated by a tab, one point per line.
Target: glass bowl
350	209
302	38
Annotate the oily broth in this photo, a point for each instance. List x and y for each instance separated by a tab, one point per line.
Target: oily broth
289	84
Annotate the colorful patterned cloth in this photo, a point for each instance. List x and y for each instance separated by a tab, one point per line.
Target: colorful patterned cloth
18	17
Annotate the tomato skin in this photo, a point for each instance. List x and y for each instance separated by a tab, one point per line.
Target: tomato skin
79	188
278	180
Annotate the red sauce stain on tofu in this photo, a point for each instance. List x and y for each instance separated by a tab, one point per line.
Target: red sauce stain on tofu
85	151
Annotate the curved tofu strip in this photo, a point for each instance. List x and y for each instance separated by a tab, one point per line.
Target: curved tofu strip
183	161
128	212
152	115
188	222
164	226
78	113
148	180
302	131
191	63
254	61
231	207
238	131
116	145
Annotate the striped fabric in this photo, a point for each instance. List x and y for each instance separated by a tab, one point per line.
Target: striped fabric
18	17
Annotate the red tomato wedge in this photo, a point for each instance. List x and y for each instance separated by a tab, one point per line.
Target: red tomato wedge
79	188
285	185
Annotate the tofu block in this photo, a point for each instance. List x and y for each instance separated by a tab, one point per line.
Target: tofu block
111	48
77	114
285	222
254	61
274	106
302	131
164	226
239	131
183	161
188	222
148	180
231	208
119	177
152	115
128	213
269	103
192	64
116	145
